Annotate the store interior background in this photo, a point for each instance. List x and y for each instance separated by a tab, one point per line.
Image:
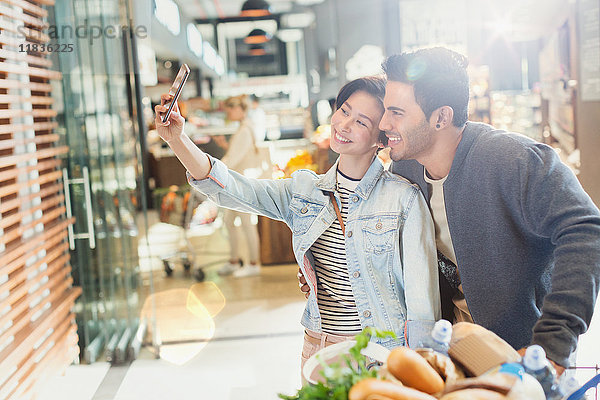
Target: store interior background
148	325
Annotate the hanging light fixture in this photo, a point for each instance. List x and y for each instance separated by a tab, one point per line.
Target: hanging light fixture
257	36
257	50
255	8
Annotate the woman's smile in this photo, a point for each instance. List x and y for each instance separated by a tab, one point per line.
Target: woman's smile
339	138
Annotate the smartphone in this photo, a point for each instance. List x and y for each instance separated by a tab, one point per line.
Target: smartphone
176	89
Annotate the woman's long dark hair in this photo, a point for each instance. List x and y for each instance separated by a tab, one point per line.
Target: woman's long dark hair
373	85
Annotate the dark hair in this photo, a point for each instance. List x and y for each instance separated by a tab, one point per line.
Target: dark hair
373	85
438	77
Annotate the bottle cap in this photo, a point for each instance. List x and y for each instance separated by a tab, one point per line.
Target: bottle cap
535	358
442	331
515	369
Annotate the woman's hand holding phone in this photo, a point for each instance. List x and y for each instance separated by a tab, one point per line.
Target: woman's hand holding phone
173	127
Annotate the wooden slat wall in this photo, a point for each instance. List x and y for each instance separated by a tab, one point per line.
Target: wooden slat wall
38	336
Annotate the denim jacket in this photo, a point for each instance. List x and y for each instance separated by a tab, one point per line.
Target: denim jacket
390	240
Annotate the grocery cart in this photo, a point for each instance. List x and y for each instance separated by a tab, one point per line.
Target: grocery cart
590	388
185	215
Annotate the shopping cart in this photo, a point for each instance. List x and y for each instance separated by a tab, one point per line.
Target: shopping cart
185	215
590	388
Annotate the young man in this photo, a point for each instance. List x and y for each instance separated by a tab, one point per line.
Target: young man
519	236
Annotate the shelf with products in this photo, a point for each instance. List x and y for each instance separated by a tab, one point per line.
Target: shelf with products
479	93
283	98
517	111
558	95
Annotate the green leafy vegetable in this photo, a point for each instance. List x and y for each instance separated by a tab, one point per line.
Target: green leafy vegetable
340	377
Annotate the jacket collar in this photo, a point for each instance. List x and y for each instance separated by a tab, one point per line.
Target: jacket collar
470	133
328	180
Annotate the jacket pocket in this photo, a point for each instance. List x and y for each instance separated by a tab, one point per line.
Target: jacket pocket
303	214
380	234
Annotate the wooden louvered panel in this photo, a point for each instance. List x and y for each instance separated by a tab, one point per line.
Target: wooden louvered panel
15	172
37	330
45	153
17	187
31	71
39	126
44	2
28	247
52	364
17	217
29	7
37	113
18	15
8	144
19	300
18	29
15	203
33	60
26	371
44	100
34	86
31	332
25	332
10	254
52	257
51	247
49	216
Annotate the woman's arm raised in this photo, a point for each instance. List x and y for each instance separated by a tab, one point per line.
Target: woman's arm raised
226	188
192	158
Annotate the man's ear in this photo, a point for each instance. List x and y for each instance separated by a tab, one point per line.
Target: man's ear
442	117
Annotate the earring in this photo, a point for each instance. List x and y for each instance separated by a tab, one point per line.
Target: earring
438	126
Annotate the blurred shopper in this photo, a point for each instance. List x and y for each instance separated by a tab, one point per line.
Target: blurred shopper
241	155
258	117
362	236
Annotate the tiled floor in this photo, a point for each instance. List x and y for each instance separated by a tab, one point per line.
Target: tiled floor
255	348
242	339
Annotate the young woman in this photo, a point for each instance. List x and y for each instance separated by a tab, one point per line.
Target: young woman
241	154
363	237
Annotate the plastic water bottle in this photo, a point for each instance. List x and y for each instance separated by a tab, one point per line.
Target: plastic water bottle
439	340
535	364
565	387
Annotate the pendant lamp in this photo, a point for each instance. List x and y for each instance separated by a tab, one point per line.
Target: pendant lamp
257	36
255	8
257	50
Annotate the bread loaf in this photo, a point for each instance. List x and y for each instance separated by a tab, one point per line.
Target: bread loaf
477	349
414	371
473	394
376	389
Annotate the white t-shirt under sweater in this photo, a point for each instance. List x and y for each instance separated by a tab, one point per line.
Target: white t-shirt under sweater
337	307
443	241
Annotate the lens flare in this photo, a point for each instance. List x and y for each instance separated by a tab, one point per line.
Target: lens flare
183	320
416	69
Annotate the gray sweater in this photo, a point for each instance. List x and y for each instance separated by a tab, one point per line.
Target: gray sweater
526	238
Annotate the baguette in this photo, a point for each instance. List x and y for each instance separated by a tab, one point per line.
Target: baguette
474	394
377	389
414	371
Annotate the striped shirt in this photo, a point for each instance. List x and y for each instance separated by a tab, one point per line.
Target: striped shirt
339	315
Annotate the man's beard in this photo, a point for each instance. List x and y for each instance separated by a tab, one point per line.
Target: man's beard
415	142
